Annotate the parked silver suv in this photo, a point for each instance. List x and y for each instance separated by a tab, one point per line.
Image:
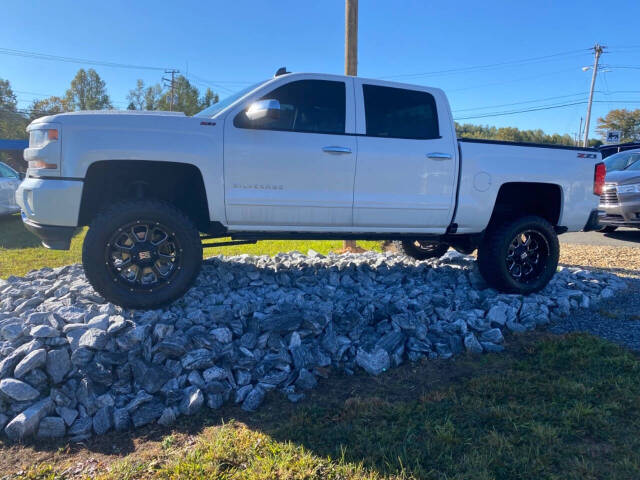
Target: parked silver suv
9	182
620	200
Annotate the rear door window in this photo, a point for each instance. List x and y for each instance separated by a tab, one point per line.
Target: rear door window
400	113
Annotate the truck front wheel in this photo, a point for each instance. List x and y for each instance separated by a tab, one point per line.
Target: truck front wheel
421	250
519	256
142	253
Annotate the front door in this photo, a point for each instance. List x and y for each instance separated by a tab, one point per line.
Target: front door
407	159
296	170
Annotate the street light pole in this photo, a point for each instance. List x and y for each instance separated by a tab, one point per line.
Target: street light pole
598	51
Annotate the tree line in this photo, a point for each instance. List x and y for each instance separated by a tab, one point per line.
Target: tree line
87	91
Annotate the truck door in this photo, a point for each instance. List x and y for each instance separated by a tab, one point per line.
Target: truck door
294	168
407	158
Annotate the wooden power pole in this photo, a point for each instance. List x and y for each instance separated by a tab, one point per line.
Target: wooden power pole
350	66
598	51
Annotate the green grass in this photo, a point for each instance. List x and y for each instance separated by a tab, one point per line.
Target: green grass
21	252
559	408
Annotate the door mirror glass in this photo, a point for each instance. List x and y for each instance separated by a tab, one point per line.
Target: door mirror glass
263	109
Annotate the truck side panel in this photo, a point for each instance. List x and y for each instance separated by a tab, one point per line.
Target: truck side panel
488	166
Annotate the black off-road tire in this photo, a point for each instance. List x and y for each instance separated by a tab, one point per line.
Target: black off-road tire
424	252
106	281
496	246
608	229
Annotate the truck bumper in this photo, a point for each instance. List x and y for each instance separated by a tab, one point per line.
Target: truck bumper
50	201
51	236
625	213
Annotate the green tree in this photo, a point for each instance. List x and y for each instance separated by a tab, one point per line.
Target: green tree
136	96
185	97
48	106
511	134
152	97
8	100
208	99
627	121
87	92
12	122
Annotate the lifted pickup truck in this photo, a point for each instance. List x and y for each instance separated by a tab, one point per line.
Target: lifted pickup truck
299	156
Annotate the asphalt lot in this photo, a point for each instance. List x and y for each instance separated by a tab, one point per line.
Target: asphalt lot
623	237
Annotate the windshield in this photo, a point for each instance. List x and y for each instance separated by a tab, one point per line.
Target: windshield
224	103
621	160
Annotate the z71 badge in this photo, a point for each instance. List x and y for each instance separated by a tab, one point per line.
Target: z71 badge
587	155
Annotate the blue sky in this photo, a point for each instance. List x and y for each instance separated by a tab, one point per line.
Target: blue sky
227	45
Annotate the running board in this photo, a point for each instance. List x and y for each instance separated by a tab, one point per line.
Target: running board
227	244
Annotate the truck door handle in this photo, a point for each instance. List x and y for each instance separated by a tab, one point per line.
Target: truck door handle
439	156
335	149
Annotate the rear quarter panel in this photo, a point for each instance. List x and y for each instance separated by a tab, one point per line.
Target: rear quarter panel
486	167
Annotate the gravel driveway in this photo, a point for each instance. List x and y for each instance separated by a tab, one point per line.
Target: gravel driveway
71	364
617	319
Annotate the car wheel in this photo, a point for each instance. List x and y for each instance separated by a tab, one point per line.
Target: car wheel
519	256
608	229
421	250
142	254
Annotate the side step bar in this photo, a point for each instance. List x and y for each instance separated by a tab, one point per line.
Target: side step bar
224	244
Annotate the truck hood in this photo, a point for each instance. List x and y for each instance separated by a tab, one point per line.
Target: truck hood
622	177
119	119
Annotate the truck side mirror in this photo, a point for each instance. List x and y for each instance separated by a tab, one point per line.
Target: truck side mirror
269	108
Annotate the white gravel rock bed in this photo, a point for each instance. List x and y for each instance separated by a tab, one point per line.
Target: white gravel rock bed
73	365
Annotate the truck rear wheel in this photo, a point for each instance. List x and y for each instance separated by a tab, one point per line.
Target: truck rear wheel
421	250
142	253
519	256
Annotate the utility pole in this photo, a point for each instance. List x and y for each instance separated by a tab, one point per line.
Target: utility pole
350	68
172	84
598	51
351	37
579	133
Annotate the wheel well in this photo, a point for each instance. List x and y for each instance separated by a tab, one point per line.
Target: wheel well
518	198
111	181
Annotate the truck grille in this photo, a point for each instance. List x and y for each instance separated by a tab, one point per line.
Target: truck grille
609	195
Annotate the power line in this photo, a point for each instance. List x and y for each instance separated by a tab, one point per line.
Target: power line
59	58
606	93
546	107
489	65
519	103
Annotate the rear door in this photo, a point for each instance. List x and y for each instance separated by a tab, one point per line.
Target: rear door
407	158
297	170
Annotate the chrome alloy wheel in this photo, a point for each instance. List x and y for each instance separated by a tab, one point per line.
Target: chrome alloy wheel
143	255
527	256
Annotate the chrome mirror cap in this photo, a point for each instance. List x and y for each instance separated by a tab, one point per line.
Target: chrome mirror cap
263	109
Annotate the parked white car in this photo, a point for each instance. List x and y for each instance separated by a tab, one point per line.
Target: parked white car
299	156
9	182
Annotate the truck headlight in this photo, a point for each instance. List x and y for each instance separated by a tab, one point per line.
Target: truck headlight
43	151
630	188
39	138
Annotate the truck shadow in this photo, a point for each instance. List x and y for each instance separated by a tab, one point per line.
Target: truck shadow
13	235
625	235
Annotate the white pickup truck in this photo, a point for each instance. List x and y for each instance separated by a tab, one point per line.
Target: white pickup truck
299	156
